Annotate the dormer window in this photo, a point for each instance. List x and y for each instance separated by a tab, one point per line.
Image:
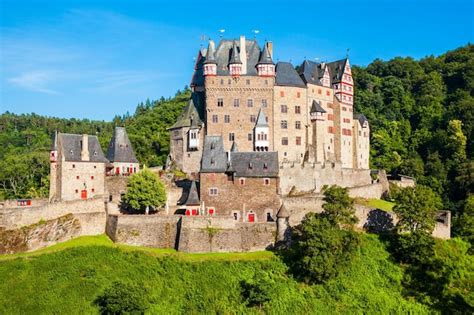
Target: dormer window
250	166
95	153
265	166
213	146
71	152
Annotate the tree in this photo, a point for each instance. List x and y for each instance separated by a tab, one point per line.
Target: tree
339	207
416	209
144	190
466	224
123	298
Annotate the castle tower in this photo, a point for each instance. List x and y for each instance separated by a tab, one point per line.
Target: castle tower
283	226
318	124
210	65
265	65
120	154
261	133
235	64
53	159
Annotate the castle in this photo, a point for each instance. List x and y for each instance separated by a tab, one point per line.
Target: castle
78	166
305	114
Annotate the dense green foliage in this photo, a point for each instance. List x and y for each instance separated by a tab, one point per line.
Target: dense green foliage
69	281
123	298
144	190
338	206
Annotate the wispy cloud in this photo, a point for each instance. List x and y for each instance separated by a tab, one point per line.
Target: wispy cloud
36	81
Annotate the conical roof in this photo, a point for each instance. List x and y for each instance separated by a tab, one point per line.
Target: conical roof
283	212
316	107
235	56
261	119
193	196
211	53
265	57
54	146
120	148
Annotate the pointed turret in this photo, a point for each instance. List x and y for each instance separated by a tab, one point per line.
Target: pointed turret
265	65
235	64
210	65
193	196
283	212
261	131
317	111
120	153
53	155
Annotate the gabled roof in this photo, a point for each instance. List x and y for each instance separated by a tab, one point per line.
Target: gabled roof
190	115
265	57
286	75
283	212
361	118
71	147
311	72
336	70
316	108
214	159
255	164
261	119
234	55
120	149
193	196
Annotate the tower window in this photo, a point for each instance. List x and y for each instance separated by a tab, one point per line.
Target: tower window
298	140
284	141
249	137
264	103
297	109
284	109
298	125
242	181
250	102
231	136
247	82
298	94
282	93
252	118
265	166
215	119
220	102
227	118
250	166
266	181
236	102
284	124
213	191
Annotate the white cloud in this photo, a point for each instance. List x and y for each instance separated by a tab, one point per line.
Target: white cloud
36	81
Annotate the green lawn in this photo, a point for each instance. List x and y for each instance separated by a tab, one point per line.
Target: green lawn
375	203
103	240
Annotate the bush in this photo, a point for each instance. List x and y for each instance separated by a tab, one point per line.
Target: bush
123	298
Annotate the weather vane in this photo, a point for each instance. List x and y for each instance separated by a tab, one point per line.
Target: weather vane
347	52
255	32
222	31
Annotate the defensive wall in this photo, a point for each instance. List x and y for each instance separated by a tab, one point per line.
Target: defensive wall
191	234
311	177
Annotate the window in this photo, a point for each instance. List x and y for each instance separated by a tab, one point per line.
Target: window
211	211
231	136
328	93
265	166
249	137
284	124
213	191
284	141
344	108
215	119
264	103
331	129
77	177
266	181
92	177
229	81
250	102
282	93
298	140
284	109
320	91
222	81
93	190
360	133
235	215
247	82
77	191
242	181
330	117
297	109
95	166
227	118
298	125
252	118
298	94
236	102
220	102
346	120
266	82
74	166
250	166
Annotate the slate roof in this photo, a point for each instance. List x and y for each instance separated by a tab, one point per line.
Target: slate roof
311	72
286	75
120	149
255	164
283	212
192	114
261	119
234	54
193	196
336	70
316	107
214	159
234	147
265	57
71	145
210	54
361	118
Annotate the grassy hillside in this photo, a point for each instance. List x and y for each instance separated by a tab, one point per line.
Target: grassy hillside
66	279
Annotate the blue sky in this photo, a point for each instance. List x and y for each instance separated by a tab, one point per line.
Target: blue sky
95	59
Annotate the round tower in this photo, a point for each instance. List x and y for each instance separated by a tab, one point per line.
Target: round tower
235	64
210	64
283	226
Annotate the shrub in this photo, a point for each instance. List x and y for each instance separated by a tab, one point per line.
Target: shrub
123	298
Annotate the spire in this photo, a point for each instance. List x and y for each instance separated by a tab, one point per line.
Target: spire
54	146
193	196
316	108
261	119
211	53
235	57
120	148
234	147
265	57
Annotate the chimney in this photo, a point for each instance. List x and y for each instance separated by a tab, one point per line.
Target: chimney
270	48
85	148
243	54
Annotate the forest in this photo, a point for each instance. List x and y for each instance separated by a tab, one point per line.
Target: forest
421	114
